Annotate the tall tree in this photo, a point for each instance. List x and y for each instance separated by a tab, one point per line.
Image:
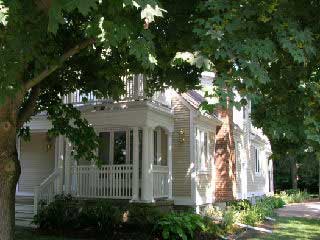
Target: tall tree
268	52
50	48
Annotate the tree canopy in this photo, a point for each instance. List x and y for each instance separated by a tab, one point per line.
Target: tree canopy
267	50
50	48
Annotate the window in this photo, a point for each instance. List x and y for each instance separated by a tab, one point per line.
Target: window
114	146
155	147
104	147
237	155
131	146
243	112
257	160
202	150
120	147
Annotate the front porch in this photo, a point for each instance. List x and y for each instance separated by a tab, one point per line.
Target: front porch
136	166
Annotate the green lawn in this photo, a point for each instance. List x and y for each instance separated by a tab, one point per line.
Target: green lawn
292	228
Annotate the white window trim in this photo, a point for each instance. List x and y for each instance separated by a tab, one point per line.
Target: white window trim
200	168
257	156
237	154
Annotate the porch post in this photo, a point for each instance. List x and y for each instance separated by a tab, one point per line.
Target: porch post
147	165
59	163
68	163
169	156
135	159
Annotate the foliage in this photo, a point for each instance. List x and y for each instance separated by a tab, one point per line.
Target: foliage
294	196
66	214
50	49
241	204
229	218
242	211
61	214
180	225
307	172
22	233
88	46
269	55
103	217
144	216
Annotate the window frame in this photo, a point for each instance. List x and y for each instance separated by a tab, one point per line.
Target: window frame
111	143
203	165
237	154
257	160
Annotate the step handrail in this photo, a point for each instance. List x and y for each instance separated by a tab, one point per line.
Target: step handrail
51	180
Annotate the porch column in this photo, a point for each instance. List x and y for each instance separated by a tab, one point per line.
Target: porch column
135	159
147	165
68	163
169	156
59	163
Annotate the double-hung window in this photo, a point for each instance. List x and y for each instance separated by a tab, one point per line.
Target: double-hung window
202	150
114	146
257	160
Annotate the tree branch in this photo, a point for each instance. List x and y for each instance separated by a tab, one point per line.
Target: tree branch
28	107
45	73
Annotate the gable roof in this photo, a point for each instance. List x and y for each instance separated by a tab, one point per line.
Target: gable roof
193	98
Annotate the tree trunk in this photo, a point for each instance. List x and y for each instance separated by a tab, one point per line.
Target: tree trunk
294	172
8	183
9	174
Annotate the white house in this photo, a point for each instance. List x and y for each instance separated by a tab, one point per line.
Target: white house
161	147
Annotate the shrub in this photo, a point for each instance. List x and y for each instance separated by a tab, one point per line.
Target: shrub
229	218
103	217
275	202
263	208
61	214
145	216
180	225
294	196
242	204
211	229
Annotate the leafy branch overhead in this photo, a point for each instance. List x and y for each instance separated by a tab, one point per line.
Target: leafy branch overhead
50	48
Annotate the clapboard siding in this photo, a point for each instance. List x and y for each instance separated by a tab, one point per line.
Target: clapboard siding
37	161
256	182
238	150
181	151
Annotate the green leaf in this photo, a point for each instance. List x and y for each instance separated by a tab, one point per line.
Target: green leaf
85	6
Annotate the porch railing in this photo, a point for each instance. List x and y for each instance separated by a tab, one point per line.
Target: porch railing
46	191
108	181
134	91
160	181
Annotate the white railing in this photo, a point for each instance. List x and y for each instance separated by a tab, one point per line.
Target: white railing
160	181
134	91
50	187
108	181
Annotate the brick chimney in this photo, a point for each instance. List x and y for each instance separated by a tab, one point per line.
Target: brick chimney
225	157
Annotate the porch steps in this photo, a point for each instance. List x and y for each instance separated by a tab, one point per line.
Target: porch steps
28	200
24	215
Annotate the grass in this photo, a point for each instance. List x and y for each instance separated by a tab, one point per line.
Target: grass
292	228
23	233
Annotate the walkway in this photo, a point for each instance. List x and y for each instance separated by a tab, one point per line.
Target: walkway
309	210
